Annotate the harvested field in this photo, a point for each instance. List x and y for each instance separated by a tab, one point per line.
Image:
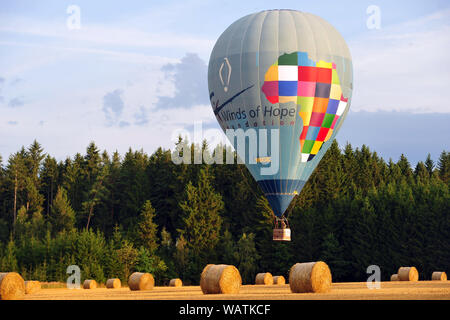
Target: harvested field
402	290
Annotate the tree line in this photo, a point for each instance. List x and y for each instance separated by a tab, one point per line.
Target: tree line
113	215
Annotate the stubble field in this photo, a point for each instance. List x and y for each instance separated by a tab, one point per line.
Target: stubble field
401	290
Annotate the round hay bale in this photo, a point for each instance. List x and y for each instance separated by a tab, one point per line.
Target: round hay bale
141	281
113	283
220	278
310	277
279	280
439	275
394	277
32	287
12	286
175	283
90	284
408	274
264	278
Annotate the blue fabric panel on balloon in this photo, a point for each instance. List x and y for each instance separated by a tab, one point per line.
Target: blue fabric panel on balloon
312	134
262	185
280	192
281	185
287	88
279	203
298	185
332	106
266	187
303	60
289	184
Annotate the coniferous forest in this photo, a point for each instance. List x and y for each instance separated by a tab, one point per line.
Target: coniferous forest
114	214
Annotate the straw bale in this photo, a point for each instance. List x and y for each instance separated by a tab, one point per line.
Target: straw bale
310	277
220	278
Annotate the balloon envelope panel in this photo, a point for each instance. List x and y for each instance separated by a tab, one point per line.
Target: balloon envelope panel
284	70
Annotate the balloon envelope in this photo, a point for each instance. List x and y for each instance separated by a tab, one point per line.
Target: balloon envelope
284	70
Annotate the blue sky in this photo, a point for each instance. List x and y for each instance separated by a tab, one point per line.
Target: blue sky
110	80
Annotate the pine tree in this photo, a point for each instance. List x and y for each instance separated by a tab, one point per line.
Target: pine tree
329	175
166	189
16	174
62	216
166	252
146	261
107	215
91	164
247	257
332	253
181	257
395	172
202	223
49	179
147	229
429	164
8	263
227	248
89	250
127	256
405	167
444	166
421	172
38	227
33	158
166	247
113	266
22	225
95	195
202	207
134	187
73	182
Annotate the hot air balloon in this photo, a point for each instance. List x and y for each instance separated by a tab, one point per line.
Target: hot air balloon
287	75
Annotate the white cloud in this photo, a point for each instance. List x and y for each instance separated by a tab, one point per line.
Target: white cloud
113	106
66	121
404	67
189	77
49	54
119	34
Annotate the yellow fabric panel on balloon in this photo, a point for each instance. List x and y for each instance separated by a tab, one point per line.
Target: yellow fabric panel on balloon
316	147
335	92
286	99
335	78
306	117
323	64
272	73
329	135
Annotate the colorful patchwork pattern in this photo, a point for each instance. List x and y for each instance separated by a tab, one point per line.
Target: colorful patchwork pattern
315	88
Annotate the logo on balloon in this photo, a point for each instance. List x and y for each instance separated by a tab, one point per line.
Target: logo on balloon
225	82
316	90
